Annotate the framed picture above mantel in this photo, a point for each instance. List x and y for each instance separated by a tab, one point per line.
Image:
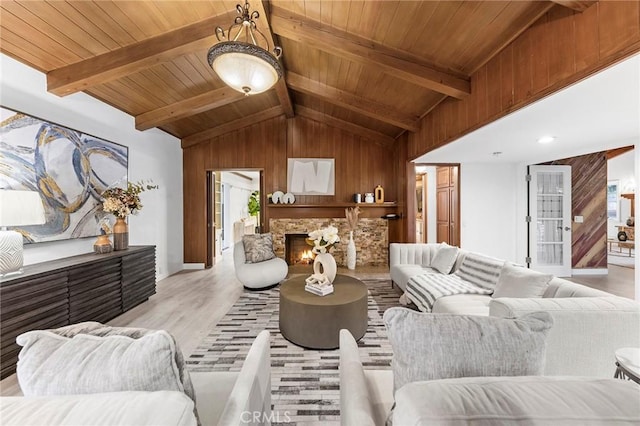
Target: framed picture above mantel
70	169
311	176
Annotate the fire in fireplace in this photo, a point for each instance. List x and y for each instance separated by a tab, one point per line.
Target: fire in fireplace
296	250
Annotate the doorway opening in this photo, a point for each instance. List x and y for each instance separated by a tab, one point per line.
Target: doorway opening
230	214
437	203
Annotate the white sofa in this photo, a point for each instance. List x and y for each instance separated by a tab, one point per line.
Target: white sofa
222	398
366	398
589	324
258	276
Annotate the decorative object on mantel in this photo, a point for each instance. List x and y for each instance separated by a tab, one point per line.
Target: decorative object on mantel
243	59
323	241
103	243
121	203
276	197
379	194
357	198
288	198
17	208
368	198
352	222
631	221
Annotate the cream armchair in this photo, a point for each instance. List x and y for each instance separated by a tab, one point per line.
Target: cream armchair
258	276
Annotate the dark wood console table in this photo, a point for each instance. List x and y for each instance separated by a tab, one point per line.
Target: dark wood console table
88	287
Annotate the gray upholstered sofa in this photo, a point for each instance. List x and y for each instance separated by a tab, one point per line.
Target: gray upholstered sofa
222	398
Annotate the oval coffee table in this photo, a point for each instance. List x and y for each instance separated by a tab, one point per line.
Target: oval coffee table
314	321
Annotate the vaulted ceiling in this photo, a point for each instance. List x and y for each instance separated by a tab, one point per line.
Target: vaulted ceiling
371	67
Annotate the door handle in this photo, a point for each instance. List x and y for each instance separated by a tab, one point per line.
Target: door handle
566	228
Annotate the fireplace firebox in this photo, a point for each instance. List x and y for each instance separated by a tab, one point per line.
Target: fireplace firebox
296	250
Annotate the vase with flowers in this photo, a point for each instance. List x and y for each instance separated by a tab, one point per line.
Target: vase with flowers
352	222
323	241
121	203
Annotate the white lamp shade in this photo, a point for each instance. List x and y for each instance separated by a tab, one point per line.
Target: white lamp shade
244	72
20	208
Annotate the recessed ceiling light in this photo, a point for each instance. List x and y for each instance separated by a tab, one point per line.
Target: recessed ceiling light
546	139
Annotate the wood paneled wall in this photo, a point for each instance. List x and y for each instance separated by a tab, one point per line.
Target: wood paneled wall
360	165
589	200
562	48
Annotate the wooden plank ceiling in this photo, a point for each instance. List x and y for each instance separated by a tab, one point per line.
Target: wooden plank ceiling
370	67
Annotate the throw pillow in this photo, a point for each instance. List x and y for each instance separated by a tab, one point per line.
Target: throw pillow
50	364
442	346
258	247
480	270
93	328
445	258
521	282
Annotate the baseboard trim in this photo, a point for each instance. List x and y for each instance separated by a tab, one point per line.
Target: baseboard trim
193	266
590	271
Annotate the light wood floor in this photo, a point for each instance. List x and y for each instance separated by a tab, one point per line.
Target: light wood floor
190	303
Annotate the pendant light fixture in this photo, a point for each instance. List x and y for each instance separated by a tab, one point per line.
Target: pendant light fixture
242	58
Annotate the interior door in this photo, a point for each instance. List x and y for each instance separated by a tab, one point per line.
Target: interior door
550	219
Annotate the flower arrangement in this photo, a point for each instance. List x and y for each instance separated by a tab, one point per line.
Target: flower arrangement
123	202
323	240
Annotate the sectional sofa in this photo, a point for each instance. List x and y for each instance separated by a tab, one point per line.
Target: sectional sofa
589	324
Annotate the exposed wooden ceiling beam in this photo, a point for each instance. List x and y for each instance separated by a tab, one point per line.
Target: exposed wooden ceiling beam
396	63
345	125
577	5
613	153
135	57
238	124
368	107
281	85
187	107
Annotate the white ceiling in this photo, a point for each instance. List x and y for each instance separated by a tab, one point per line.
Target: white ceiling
596	114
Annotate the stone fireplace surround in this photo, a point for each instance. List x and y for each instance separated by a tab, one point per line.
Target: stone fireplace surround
371	237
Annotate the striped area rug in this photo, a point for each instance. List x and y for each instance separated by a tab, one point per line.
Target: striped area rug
304	382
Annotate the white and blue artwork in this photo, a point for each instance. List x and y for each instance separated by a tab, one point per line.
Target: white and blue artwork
69	169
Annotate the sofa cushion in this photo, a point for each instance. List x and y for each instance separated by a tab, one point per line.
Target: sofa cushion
100	330
111	408
516	281
444	258
439	346
518	401
463	304
258	247
51	364
400	274
483	271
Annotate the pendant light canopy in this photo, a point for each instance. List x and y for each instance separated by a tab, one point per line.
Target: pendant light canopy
242	58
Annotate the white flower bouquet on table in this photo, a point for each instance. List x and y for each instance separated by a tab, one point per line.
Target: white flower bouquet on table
323	240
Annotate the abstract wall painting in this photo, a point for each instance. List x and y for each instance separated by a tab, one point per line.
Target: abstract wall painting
70	169
311	176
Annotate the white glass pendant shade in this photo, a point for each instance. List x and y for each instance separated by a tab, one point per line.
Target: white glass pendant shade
244	67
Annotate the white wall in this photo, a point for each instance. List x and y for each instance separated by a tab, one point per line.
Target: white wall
488	209
153	155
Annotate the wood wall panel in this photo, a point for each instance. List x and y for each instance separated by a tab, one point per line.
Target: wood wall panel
588	199
561	48
360	165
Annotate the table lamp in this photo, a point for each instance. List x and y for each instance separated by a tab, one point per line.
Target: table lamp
17	208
